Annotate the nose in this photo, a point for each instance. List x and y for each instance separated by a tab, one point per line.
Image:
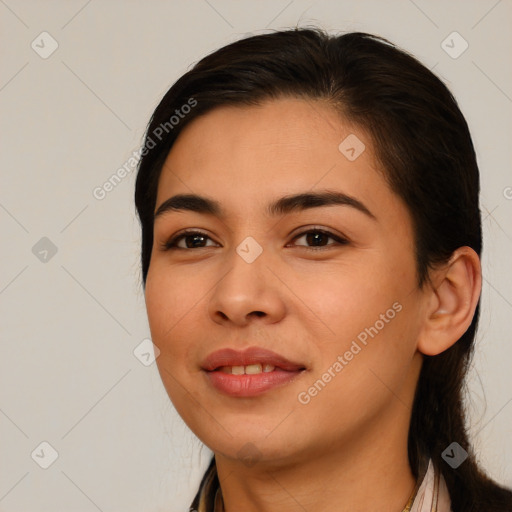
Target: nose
247	292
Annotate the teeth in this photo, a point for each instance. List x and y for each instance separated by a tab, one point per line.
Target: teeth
250	369
237	370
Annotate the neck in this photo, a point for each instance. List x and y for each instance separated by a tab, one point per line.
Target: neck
368	472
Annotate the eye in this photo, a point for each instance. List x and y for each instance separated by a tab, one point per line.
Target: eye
196	238
317	237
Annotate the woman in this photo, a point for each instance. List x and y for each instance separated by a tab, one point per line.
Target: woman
311	244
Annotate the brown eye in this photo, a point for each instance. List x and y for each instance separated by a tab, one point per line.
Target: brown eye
192	240
318	238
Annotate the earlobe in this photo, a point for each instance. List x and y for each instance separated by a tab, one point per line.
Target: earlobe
451	301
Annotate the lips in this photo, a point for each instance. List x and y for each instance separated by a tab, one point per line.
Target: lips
250	356
249	373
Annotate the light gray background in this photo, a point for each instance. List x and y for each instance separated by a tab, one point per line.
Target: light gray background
70	324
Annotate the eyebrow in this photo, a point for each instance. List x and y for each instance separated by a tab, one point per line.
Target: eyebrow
282	206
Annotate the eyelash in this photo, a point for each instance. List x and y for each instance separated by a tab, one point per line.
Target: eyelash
171	244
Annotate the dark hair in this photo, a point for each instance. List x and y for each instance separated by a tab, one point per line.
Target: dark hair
423	144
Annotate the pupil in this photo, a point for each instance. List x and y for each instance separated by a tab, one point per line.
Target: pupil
314	237
196	238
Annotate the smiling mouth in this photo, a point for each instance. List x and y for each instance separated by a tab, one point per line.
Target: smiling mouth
250	380
250	372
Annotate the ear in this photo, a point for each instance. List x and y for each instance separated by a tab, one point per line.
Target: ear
451	300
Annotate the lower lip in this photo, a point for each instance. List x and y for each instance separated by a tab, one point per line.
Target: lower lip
250	385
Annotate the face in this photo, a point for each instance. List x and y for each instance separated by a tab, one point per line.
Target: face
328	285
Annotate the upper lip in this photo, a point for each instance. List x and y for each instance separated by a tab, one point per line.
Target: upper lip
252	355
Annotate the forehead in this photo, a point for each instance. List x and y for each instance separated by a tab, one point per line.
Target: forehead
298	138
245	155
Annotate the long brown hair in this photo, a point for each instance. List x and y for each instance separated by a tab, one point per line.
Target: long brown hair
425	149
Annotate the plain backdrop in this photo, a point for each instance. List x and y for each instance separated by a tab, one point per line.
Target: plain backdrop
73	315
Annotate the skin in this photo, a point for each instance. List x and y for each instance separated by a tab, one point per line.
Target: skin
347	448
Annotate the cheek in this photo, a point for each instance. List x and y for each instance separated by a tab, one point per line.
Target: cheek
170	296
372	320
364	372
173	302
172	299
350	300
